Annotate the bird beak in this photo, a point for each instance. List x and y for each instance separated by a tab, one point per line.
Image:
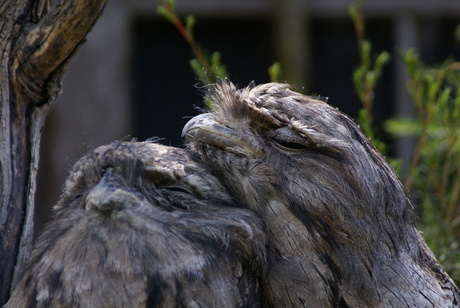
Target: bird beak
109	196
205	129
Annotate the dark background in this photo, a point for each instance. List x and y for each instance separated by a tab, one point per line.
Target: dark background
165	89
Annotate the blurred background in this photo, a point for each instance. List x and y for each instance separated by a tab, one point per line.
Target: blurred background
132	78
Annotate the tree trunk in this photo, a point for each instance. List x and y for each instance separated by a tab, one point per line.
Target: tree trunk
36	42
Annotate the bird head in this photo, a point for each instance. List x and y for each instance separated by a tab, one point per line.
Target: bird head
140	224
271	144
127	175
127	188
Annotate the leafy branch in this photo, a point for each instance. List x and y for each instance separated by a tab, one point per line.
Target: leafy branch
434	174
366	75
207	68
435	167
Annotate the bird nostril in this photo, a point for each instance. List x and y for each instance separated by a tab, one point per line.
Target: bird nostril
103	196
108	197
105	201
109	204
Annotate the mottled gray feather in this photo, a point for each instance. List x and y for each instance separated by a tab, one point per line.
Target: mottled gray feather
144	225
340	225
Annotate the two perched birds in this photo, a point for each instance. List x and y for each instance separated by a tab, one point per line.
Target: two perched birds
279	201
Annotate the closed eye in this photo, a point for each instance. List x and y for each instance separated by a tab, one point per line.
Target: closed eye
288	144
178	189
288	140
180	197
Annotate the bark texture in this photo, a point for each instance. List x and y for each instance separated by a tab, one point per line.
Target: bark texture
37	40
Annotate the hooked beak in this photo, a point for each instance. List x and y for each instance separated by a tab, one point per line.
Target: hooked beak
205	130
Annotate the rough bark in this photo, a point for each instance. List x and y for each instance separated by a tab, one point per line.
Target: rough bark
36	42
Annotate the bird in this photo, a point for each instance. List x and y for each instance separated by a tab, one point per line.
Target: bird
140	224
339	222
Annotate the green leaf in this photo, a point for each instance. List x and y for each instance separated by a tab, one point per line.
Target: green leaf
190	22
383	58
366	53
167	9
402	127
198	70
410	58
274	72
218	68
163	11
371	79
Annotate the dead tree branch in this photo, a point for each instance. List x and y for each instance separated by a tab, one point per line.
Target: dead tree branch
36	42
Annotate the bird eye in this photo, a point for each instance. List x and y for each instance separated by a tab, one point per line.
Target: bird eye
287	139
178	189
288	144
179	197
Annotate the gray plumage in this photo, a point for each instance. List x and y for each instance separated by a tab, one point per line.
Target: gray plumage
144	225
340	225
